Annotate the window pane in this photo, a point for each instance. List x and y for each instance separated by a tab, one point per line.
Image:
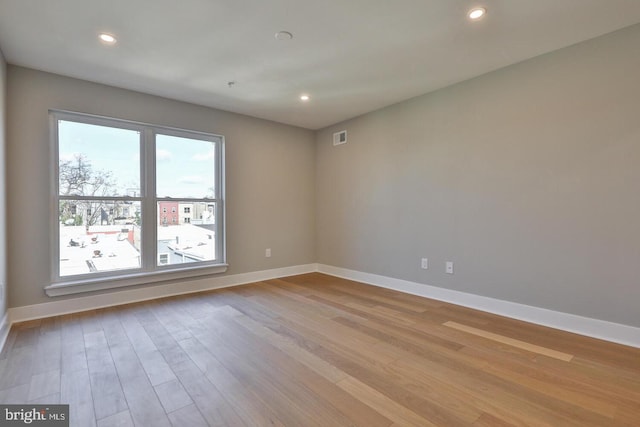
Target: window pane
97	235
185	167
104	184
98	161
186	232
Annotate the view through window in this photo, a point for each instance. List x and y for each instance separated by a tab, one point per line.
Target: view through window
186	200
135	198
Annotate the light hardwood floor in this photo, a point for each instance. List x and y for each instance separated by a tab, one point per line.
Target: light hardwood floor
314	350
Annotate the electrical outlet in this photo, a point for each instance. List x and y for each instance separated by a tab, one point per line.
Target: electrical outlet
424	264
449	269
267	253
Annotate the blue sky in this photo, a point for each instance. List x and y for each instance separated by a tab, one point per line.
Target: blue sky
184	167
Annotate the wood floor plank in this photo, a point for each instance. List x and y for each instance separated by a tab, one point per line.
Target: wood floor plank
44	384
155	366
172	395
164	340
15	395
217	405
75	391
396	388
73	354
249	406
410	340
273	381
557	379
289	346
551	388
188	416
48	355
612	354
512	342
295	312
390	301
281	288
383	404
326	329
143	403
50	399
18	367
485	397
424	406
27	335
488	420
208	399
108	397
8	344
121	419
325	387
315	350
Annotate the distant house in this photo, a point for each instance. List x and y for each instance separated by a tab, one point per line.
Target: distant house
168	213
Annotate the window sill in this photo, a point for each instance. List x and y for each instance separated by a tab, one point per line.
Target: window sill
111	282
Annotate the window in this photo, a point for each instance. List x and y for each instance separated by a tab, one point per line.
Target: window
114	180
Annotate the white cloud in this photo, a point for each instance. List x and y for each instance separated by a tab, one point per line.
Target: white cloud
191	179
162	154
201	157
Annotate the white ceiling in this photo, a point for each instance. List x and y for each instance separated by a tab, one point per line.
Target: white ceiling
350	56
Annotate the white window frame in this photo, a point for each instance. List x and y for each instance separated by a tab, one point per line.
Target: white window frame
150	270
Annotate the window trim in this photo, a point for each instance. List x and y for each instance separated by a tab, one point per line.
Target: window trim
149	270
99	283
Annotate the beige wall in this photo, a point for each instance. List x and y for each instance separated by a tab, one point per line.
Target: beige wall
3	192
528	178
270	189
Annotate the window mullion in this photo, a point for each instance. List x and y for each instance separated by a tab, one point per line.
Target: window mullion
149	229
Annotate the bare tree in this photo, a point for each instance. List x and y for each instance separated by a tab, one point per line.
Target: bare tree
78	178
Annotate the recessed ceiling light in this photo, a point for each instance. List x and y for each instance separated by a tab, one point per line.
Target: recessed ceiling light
304	97
283	35
477	13
107	38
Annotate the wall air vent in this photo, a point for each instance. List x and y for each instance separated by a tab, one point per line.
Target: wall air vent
340	137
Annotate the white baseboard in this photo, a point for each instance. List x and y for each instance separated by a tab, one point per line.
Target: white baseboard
609	331
75	305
